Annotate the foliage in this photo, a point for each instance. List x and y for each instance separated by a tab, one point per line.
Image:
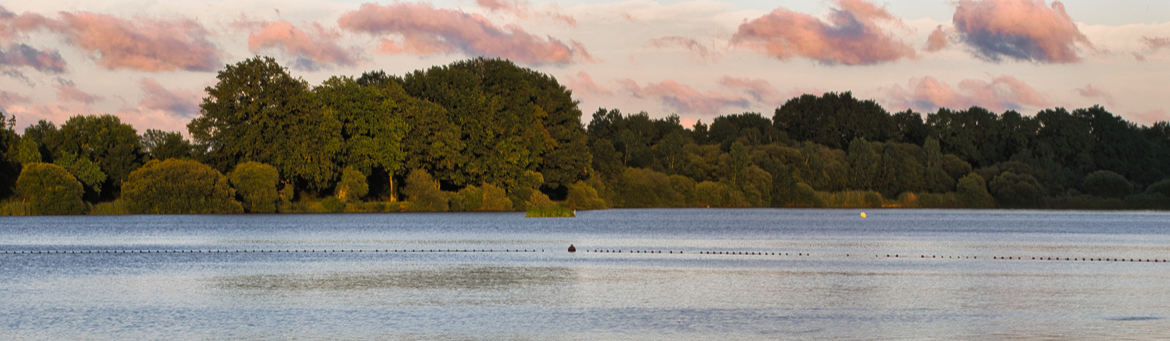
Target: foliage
971	192
177	186
423	192
494	199
582	196
255	184
352	186
1107	184
333	205
717	194
1016	190
105	140
49	189
258	112
550	211
851	199
86	171
162	145
116	207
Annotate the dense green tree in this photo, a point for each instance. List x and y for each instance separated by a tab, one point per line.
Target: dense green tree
49	189
468	199
750	128
718	194
256	184
1107	184
104	140
27	151
258	112
522	188
373	124
639	188
756	185
971	191
86	171
495	199
9	154
863	162
178	186
1161	187
1016	190
353	185
162	145
834	120
582	196
423	192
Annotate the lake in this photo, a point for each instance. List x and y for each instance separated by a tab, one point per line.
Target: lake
636	274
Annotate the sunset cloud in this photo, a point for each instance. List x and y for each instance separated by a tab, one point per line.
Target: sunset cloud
426	30
1001	93
68	92
310	49
1089	91
1019	29
937	40
685	99
156	97
140	44
582	83
852	35
1156	43
686	43
21	55
9	98
761	90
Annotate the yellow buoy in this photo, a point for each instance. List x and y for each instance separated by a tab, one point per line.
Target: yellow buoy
863	215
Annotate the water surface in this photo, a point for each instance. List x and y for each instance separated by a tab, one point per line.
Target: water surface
782	274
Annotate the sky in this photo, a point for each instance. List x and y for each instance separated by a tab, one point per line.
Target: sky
149	61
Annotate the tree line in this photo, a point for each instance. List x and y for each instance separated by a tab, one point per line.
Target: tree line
488	135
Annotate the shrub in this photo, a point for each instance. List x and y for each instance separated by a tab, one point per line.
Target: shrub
49	189
494	199
256	184
179	186
353	185
1106	184
423	192
583	197
332	205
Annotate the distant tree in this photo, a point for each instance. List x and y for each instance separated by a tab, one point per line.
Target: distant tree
258	112
373	124
1107	184
9	154
256	184
468	199
177	186
717	194
162	145
1161	187
86	171
49	189
863	162
833	119
522	188
352	186
104	140
495	199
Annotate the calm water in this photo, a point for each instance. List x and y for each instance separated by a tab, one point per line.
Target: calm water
824	274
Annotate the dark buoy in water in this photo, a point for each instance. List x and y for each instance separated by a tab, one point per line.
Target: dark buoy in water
572	248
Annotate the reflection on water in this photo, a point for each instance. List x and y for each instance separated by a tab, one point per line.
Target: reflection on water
469	277
846	288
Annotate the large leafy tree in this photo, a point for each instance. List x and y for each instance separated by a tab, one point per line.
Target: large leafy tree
162	145
258	112
373	124
105	140
256	184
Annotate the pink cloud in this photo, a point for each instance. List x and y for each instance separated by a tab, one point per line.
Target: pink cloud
584	84
1093	92
21	55
10	98
852	36
761	90
1156	43
522	9
1019	29
1001	93
67	91
310	49
156	97
937	40
683	42
139	44
427	30
684	98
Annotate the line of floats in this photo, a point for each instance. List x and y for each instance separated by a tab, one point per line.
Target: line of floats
891	256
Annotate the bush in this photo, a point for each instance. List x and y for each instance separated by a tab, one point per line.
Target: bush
1161	187
179	186
423	193
717	194
14	208
256	184
971	192
851	199
583	197
353	185
115	207
49	189
468	199
332	205
1016	190
1106	184
552	211
494	199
